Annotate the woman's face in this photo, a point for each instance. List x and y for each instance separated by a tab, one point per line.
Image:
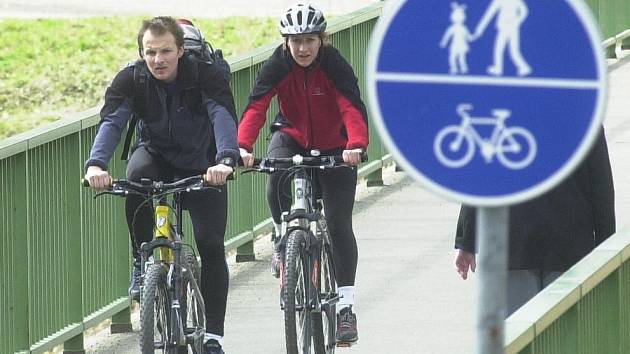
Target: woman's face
304	48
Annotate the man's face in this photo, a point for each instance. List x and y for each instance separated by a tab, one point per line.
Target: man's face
161	54
304	48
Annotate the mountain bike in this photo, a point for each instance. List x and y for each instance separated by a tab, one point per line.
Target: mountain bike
172	313
454	145
308	284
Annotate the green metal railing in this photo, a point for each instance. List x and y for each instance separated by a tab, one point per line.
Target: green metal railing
585	311
65	256
612	15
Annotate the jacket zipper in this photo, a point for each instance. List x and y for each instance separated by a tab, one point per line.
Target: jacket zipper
162	95
308	105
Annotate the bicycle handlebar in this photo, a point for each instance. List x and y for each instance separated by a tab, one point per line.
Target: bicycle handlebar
148	187
268	164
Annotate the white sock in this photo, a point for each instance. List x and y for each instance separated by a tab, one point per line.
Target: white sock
216	337
278	228
346	298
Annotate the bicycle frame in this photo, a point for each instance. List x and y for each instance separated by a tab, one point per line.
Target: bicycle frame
309	258
167	240
467	127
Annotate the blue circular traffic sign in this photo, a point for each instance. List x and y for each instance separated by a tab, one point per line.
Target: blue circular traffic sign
487	102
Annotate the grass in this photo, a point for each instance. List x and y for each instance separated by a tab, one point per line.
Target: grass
53	67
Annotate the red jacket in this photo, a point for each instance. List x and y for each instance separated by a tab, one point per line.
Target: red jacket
318	115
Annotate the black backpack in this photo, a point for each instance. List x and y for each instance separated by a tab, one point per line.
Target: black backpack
196	47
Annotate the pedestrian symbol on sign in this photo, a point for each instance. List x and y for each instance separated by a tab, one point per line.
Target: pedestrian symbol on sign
510	15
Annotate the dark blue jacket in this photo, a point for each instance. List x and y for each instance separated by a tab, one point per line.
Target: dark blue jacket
188	137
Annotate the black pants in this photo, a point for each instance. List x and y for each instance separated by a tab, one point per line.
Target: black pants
208	213
338	188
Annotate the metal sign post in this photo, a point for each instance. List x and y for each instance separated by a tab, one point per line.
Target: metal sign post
488	103
492	243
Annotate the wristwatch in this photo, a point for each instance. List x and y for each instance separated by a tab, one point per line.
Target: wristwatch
228	161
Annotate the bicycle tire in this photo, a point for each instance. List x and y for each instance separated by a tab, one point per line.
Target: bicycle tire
297	326
191	263
509	138
443	145
155	311
192	305
325	322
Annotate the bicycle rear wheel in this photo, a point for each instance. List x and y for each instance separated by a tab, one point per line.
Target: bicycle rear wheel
192	305
297	316
325	322
155	315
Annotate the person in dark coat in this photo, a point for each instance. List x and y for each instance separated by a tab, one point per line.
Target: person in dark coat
549	234
186	127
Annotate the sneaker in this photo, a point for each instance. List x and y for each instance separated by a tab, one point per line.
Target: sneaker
136	279
346	328
212	347
276	263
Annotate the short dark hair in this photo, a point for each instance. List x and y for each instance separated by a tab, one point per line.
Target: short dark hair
160	25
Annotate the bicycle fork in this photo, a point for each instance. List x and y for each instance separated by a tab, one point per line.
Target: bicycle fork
169	251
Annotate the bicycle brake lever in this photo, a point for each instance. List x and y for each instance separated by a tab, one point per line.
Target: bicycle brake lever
105	192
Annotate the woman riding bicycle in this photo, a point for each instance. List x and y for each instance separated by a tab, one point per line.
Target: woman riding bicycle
320	108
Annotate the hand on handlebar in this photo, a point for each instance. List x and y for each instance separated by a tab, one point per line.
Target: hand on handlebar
247	157
217	175
99	180
352	157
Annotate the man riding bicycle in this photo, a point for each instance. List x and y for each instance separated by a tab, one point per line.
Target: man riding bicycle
320	108
186	127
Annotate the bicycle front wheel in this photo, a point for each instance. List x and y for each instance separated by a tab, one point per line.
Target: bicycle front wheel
155	315
516	148
192	305
325	322
297	316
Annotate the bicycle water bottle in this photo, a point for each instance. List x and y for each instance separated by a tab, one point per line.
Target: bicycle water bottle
163	229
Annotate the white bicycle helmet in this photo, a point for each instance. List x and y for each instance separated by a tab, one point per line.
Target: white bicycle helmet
302	18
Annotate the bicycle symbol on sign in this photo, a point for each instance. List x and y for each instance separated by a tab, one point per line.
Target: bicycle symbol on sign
454	145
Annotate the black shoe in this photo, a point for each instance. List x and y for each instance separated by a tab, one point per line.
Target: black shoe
212	347
346	328
136	279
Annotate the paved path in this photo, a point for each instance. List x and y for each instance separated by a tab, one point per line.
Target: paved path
409	299
192	8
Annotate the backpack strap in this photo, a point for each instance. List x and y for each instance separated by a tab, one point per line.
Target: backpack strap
192	91
140	76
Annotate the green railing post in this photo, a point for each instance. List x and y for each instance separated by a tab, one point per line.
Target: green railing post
74	345
375	179
245	253
14	327
610	52
121	322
